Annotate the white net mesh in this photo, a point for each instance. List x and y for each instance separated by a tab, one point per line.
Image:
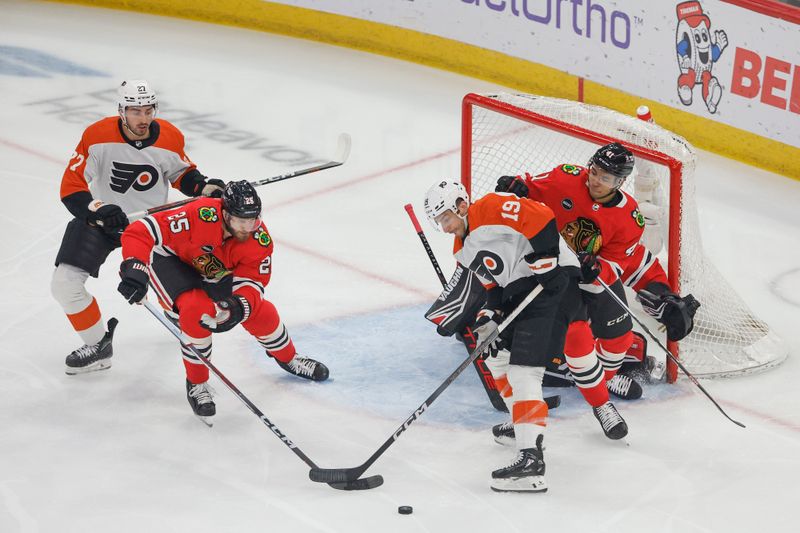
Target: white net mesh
510	137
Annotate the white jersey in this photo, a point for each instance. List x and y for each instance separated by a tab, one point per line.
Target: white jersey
503	229
135	175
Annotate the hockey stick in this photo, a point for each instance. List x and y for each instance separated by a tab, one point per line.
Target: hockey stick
343	475
666	351
353	484
342	153
484	374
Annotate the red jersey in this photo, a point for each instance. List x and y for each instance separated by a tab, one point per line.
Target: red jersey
611	230
194	233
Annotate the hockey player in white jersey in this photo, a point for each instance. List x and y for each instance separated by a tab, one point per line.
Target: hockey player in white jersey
512	244
122	164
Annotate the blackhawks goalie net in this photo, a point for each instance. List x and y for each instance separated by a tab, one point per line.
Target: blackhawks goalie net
509	134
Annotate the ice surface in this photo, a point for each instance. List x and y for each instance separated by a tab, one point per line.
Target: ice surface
120	451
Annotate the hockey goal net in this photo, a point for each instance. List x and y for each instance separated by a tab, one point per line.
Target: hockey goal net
509	134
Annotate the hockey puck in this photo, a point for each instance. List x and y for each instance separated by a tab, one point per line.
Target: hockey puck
405	509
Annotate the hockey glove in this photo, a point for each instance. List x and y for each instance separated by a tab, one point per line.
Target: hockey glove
486	324
230	311
110	216
134	280
676	313
512	184
590	267
213	188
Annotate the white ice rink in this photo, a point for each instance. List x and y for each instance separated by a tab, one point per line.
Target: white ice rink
120	451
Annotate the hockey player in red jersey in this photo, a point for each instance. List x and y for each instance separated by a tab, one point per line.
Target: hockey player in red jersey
603	225
211	261
512	245
122	164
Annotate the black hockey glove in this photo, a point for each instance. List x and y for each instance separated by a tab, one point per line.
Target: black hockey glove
230	312
213	188
590	267
111	217
676	313
487	322
134	280
512	184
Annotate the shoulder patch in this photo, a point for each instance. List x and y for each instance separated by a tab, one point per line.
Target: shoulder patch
208	214
637	216
573	170
262	237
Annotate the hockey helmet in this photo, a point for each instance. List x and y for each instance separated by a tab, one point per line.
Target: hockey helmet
614	159
241	200
135	93
443	196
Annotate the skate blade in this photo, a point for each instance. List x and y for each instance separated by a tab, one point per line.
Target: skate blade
505	441
520	484
104	364
207	420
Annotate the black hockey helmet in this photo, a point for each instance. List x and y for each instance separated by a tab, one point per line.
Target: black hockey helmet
614	159
240	199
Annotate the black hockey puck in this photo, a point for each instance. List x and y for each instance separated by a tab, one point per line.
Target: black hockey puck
405	509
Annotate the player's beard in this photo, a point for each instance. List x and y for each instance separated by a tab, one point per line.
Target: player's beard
240	236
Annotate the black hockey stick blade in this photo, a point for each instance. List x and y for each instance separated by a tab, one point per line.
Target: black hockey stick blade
366	483
334	475
553	401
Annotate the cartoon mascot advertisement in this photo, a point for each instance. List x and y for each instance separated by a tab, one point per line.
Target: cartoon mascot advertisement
697	53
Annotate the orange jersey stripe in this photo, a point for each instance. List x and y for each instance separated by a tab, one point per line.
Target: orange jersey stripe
87	318
530	412
503	386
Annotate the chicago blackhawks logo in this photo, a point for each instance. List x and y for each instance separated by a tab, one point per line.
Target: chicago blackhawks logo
571	169
637	216
125	175
262	237
208	214
583	235
210	266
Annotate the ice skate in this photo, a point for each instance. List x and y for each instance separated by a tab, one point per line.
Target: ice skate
524	474
306	368
202	401
504	434
89	358
612	423
624	387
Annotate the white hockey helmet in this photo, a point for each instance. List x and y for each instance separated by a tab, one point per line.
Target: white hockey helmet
135	93
444	195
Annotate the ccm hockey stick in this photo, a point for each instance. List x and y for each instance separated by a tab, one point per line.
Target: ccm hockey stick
345	475
666	351
342	153
484	374
350	484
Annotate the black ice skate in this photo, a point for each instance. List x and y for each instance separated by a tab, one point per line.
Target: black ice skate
525	474
202	402
613	425
89	358
624	387
504	434
306	368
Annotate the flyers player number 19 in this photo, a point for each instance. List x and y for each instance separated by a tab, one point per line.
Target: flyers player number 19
511	210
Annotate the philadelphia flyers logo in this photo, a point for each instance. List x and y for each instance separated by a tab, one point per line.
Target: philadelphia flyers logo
487	264
125	175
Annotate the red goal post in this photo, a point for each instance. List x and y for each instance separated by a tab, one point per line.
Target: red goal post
509	134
